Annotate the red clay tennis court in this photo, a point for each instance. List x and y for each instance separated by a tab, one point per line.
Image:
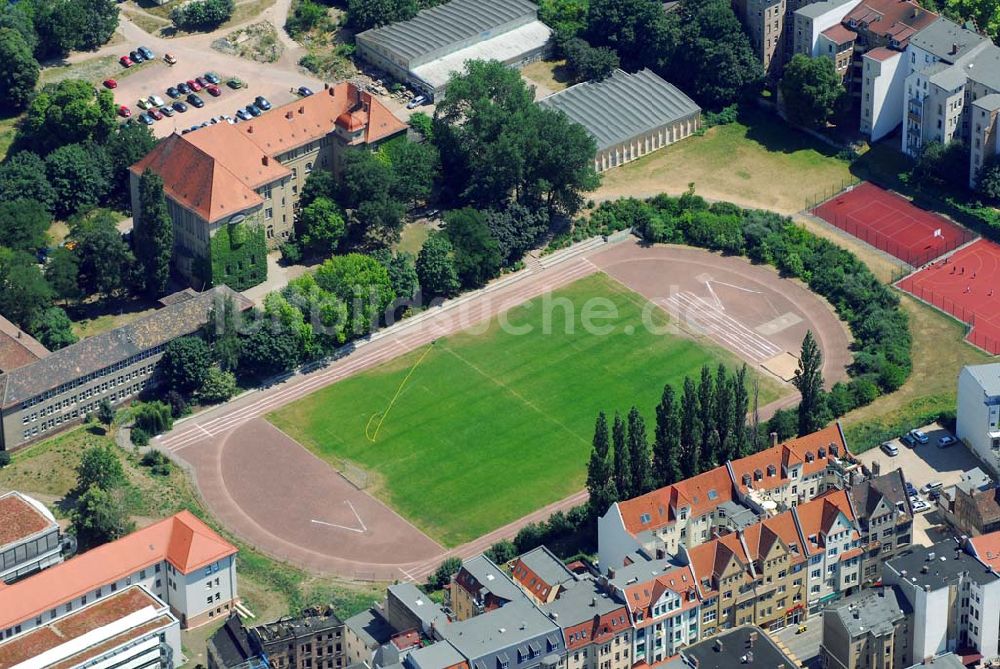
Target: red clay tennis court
966	285
892	223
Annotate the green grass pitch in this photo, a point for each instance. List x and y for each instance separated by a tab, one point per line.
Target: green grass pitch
491	426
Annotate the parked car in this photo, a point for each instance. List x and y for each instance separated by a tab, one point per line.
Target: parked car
136	56
235	83
201	81
933	495
143	103
946	441
193	85
124	111
253	110
213	90
125	61
228	119
170	59
932	486
921	437
243	114
146	53
145	119
910	490
180	106
195	101
110	83
167	110
304	91
262	103
416	102
890	449
156	100
908	440
212	78
919	506
183	88
173	92
155	114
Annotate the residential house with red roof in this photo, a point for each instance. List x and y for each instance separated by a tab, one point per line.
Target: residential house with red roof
885	519
480	586
541	574
832	545
252	173
180	560
596	627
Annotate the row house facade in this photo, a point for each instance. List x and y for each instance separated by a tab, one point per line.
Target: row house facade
885	520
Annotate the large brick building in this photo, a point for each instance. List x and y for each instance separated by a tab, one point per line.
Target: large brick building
253	172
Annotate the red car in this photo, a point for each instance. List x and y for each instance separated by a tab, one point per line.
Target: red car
110	83
193	85
213	90
124	111
125	61
154	113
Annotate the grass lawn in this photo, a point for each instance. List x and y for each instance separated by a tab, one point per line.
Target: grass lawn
413	237
757	162
8	128
269	588
496	411
548	76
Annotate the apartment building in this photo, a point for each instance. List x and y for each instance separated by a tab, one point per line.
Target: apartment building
364	634
764	22
130	628
518	636
312	640
480	586
954	73
986	549
955	600
179	560
977	422
885	520
832	547
252	173
231	647
869	630
746	647
689	512
541	574
62	388
974	504
597	629
30	539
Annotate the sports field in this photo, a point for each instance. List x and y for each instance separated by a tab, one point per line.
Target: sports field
493	425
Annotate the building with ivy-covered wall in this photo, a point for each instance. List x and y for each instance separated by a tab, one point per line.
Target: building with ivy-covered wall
231	189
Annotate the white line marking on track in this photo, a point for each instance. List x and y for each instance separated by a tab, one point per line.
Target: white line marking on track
356	515
718	303
745	290
339	527
204	430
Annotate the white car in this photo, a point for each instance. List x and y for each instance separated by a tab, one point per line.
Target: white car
946	441
156	100
890	449
919	505
920	436
416	102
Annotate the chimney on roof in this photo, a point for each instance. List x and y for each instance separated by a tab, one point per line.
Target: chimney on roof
250	129
289	114
302	110
265	161
751	639
954	48
718	645
326	86
774	438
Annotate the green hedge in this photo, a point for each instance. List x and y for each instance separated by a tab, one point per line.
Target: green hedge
882	338
239	256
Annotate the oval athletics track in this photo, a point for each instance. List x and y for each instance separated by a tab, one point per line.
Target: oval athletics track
283	500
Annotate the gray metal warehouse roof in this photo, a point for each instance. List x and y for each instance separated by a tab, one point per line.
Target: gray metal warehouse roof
451	23
622	106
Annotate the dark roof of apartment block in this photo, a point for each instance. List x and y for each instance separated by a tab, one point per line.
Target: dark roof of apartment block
743	647
947	40
622	106
95	353
444	25
873	611
939	565
232	643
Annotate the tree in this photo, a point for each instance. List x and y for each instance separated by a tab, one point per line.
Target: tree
125	147
639	457
221	332
811	90
723	414
691	430
566	17
22	176
600	471
365	14
809	382
19	74
559	162
24	293
153	234
423	124
622	461
80	176
153	417
105	413
402	272
988	179
53	329
217	386
106	261
320	226
415	168
380	220
202	14
265	352
436	267
667	440
985	14
517	229
304	17
185	364
62	271
360	282
442	575
588	62
24	224
477	256
939	164
100	516
74	25
635	29
319	183
71	111
18	17
99	467
502	552
741	406
364	177
706	418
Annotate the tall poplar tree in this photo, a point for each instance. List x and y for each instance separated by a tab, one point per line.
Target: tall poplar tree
667	440
622	461
741	405
690	431
809	382
638	447
706	416
600	472
154	234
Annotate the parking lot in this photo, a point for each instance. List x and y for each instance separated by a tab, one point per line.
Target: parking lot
803	646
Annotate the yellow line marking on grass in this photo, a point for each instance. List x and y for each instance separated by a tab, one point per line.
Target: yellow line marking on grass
371	437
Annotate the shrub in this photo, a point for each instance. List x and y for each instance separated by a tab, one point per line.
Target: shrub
4	459
218	386
442	576
139	437
203	14
153	417
157	462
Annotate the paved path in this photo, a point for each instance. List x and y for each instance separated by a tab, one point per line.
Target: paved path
234	455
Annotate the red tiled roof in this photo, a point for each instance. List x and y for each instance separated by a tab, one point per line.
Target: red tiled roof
701	493
19	519
839	34
17	348
987	549
896	19
680	580
817	516
881	54
182	540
